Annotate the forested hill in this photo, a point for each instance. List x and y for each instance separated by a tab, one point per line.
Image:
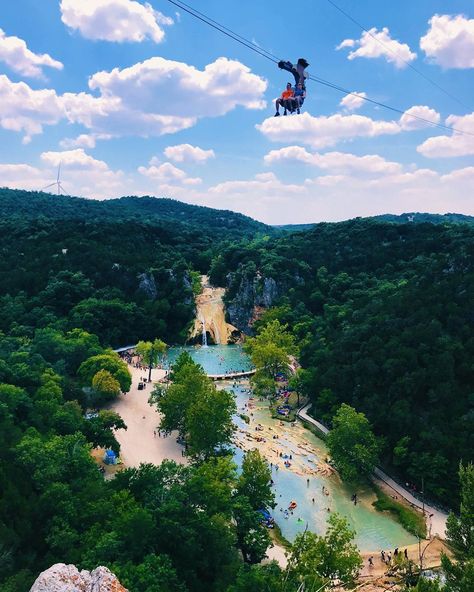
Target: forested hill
222	224
384	316
122	269
418	217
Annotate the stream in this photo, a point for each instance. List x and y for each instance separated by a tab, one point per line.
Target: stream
304	480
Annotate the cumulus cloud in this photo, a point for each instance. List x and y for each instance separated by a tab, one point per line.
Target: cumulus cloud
457	144
449	41
130	100
335	162
15	54
190	93
25	110
188	153
376	44
409	120
353	101
323	131
83	141
167	174
114	20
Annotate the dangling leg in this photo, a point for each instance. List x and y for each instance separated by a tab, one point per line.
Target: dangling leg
288	66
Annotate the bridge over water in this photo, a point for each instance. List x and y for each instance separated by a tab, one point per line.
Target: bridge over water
232	375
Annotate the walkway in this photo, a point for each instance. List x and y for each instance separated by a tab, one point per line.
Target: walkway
231	375
436	518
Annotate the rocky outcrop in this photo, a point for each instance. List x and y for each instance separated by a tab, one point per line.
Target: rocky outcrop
147	285
251	296
67	578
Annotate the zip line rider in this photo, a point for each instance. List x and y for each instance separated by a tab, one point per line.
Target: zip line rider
296	100
285	100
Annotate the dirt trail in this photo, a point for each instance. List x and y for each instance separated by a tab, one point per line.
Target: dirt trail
210	309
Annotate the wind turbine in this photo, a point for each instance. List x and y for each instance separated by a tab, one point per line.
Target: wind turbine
57	182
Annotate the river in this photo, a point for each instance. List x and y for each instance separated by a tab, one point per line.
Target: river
304	480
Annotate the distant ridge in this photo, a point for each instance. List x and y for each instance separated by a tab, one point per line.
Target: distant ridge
33	205
419	217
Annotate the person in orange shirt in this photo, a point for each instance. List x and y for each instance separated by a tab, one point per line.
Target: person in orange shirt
284	100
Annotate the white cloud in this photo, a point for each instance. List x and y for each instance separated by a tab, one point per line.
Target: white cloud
335	162
457	144
73	160
409	121
167	174
114	20
323	131
353	101
83	141
188	153
129	101
190	93
15	53
449	41
21	176
376	44
23	109
339	197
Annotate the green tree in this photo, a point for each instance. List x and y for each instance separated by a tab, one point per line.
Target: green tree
316	560
253	539
196	408
105	385
255	481
209	423
460	537
109	361
100	430
154	574
174	400
151	352
352	444
271	349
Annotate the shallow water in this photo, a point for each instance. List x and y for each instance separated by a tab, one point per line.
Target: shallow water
374	530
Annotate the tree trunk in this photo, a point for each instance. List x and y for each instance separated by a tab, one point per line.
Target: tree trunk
149	373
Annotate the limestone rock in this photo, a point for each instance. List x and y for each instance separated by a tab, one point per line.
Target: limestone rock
67	578
147	285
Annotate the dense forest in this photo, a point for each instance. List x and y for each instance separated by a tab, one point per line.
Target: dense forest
121	270
383	313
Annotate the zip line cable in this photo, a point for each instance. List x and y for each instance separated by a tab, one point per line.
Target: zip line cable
215	25
222	29
406	62
269	56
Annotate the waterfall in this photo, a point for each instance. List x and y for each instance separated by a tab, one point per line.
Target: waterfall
204	334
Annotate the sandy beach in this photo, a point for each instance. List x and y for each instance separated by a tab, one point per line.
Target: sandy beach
138	444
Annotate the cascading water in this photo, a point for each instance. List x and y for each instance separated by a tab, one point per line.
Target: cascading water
204	334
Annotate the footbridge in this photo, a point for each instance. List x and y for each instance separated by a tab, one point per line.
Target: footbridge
232	375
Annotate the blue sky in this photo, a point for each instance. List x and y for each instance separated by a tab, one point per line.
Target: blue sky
141	98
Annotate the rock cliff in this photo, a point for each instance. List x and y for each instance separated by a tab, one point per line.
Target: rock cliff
67	578
248	296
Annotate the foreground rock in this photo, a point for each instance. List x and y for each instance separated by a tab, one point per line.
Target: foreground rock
67	578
